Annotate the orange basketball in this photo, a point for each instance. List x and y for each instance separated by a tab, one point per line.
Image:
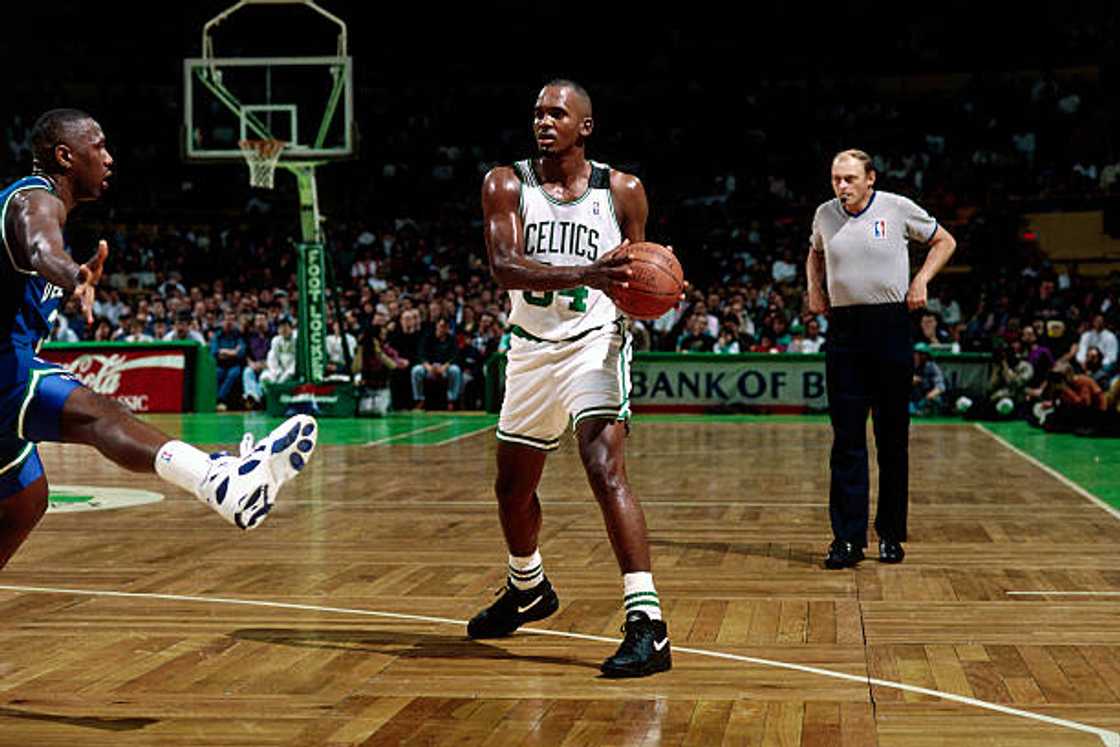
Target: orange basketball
656	285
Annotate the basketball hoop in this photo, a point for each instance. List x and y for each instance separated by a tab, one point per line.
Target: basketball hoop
262	157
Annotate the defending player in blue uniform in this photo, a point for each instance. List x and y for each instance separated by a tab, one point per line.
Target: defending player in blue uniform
42	402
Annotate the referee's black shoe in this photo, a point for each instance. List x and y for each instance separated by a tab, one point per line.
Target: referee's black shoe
842	555
890	552
513	609
644	650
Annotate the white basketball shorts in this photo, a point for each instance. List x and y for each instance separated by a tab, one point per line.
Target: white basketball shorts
550	383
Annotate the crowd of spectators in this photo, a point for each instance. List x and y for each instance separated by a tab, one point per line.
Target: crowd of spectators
420	315
418	323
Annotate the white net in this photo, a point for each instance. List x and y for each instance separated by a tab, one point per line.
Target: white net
262	157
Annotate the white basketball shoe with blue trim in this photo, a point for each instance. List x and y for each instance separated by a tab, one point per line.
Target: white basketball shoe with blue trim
243	488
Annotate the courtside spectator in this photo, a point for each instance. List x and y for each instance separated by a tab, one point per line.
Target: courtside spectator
1100	337
728	341
228	348
405	339
257	344
437	362
1078	402
182	328
930	333
336	357
945	306
1038	355
929	383
813	340
696	338
136	332
280	366
1094	368
474	355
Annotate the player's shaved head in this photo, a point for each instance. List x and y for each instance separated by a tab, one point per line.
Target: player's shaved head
581	94
53	128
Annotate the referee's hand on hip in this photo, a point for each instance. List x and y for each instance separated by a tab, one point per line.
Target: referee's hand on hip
917	296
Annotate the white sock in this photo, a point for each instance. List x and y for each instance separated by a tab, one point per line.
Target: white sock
639	594
183	465
526	572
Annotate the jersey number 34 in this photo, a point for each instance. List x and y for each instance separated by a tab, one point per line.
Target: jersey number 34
578	298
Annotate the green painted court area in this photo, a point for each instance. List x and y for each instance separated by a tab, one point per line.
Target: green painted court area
1091	463
69	498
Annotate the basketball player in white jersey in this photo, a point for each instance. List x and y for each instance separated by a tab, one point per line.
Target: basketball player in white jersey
552	225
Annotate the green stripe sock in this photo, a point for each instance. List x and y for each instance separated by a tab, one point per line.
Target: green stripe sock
639	594
526	572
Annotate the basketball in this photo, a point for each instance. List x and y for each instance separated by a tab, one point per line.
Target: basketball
656	284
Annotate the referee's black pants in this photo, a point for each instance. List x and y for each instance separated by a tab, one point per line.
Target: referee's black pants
869	368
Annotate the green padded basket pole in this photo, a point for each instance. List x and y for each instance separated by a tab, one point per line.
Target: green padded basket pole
311	348
311	342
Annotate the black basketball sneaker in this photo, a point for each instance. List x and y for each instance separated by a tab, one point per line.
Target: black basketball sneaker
644	650
513	609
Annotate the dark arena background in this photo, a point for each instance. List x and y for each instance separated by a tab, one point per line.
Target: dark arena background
132	616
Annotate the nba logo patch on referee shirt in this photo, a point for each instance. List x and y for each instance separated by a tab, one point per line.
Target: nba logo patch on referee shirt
879	229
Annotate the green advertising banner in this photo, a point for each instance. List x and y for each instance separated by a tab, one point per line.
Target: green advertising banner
793	382
311	348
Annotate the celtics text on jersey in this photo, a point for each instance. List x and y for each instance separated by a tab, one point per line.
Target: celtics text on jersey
571	233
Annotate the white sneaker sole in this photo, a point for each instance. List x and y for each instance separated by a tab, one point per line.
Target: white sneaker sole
285	453
290	447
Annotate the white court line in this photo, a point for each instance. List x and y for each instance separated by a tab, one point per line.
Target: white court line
1052	472
425	429
461	436
1063	593
635	453
589	502
1109	738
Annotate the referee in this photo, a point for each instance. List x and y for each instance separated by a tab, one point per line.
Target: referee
860	243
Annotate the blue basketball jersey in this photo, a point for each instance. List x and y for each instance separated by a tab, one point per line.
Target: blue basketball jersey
28	303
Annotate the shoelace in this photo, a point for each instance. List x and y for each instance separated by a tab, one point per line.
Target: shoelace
243	450
624	630
630	639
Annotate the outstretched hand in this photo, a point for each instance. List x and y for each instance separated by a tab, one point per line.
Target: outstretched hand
612	270
89	275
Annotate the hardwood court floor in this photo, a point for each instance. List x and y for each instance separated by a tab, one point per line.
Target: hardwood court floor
738	522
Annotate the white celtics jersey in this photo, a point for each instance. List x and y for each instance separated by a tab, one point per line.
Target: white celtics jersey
565	234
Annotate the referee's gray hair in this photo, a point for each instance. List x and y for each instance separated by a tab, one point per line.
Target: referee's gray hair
858	155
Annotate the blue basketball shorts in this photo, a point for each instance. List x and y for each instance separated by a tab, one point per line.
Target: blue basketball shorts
32	393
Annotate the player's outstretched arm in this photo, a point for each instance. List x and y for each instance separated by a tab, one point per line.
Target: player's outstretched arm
35	226
505	244
35	220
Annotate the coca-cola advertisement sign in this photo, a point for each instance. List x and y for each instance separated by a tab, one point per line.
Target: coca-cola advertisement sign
144	380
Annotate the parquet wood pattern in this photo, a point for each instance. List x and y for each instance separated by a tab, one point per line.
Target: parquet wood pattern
738	520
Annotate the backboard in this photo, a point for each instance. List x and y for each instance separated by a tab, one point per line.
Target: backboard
305	101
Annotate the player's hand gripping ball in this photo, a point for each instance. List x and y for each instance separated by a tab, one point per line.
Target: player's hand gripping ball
655	285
